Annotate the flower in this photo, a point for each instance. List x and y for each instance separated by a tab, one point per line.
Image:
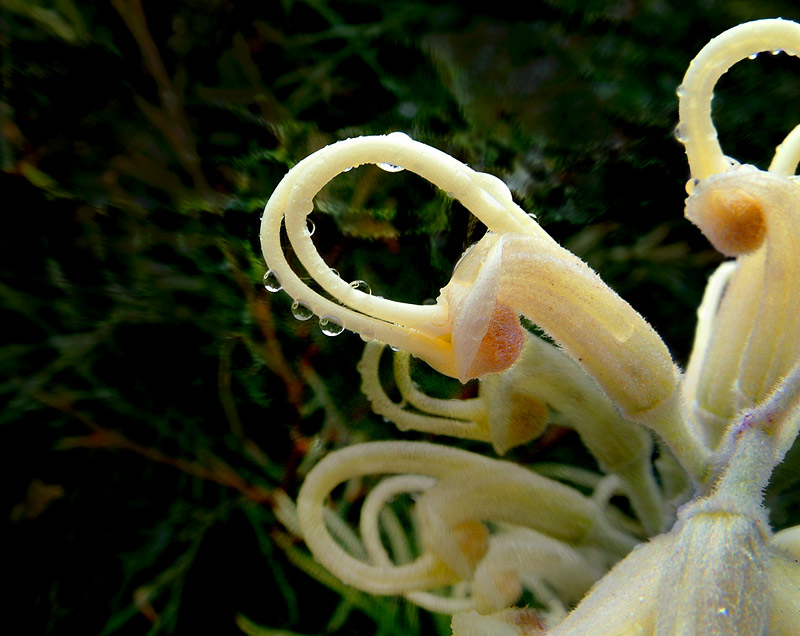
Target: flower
498	527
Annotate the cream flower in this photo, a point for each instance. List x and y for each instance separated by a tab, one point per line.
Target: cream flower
489	529
474	329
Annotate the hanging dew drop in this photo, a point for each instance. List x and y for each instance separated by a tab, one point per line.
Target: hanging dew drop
399	136
301	311
271	282
310	228
362	286
330	326
367	335
348	169
335	272
753	56
306	206
390	167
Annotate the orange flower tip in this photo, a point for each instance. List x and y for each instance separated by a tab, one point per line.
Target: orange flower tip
731	218
472	538
527	619
500	348
527	419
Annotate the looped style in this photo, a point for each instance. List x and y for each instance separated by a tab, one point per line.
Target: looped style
516	268
696	129
422	330
541	521
514	407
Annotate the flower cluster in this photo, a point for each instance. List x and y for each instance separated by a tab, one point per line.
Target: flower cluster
488	529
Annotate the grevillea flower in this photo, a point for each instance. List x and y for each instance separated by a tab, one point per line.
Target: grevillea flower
487	529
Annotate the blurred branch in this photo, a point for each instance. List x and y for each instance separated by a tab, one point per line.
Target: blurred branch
101	437
171	119
64	21
271	351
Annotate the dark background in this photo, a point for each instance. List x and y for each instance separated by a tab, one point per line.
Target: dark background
155	395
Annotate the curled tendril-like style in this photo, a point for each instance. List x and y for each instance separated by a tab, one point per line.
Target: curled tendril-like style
512	408
488	529
453	526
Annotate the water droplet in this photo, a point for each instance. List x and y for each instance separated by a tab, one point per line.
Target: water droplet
680	91
301	311
691	184
362	286
679	134
330	326
753	56
271	281
335	272
390	167
393	348
367	335
310	227
348	169
532	215
776	51
623	331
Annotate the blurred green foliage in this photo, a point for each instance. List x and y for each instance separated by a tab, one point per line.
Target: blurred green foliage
155	395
